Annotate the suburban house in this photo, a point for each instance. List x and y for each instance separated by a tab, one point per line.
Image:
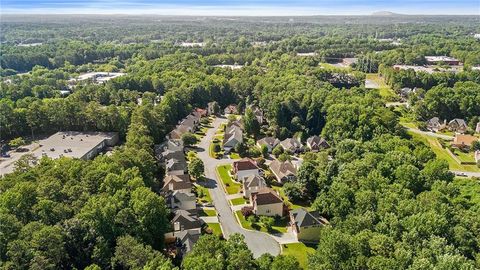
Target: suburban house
435	60
181	200
176	166
306	225
258	114
266	202
244	168
171	154
187	124
231	109
457	125
270	142
252	183
177	183
435	124
284	171
199	112
186	240
174	145
349	61
233	137
477	156
292	145
315	143
463	141
211	107
185	220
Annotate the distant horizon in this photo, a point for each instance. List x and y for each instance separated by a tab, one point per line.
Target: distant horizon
240	8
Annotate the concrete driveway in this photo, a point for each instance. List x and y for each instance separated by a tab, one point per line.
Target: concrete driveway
258	242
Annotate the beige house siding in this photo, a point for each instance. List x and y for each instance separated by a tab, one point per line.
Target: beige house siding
309	234
269	209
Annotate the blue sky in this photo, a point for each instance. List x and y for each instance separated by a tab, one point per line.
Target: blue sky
242	7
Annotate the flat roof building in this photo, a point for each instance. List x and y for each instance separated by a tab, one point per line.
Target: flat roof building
74	144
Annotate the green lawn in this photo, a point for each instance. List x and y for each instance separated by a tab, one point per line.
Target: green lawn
384	90
211	152
299	251
203	194
215	227
230	186
238	201
287	201
207	213
330	67
234	156
442	153
280	225
464	157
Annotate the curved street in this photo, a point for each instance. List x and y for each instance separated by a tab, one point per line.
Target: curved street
258	242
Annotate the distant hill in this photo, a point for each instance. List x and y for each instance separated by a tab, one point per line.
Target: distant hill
384	13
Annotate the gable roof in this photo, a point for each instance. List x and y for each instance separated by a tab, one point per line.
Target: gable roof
290	144
188	238
282	169
179	196
244	164
458	121
266	196
237	135
184	220
176	164
178	182
304	218
316	142
271	141
254	180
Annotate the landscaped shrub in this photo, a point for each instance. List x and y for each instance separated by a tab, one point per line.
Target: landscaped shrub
247	211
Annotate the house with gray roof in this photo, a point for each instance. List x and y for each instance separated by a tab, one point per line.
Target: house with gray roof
186	240
231	138
181	200
176	166
435	125
185	220
252	183
292	145
457	125
270	142
306	225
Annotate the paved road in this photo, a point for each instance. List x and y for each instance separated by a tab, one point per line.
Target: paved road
466	174
428	133
258	242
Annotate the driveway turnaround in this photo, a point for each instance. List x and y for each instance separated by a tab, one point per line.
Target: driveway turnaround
258	242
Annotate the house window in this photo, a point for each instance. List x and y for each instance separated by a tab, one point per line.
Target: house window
268	211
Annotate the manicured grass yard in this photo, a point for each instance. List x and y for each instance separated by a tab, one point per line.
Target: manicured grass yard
280	225
203	194
207	213
234	156
217	230
299	251
230	186
464	157
442	153
238	201
384	90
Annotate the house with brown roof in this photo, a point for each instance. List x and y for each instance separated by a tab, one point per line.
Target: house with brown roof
231	109
306	225
252	183
284	171
457	125
177	182
463	141
315	143
270	142
244	168
266	202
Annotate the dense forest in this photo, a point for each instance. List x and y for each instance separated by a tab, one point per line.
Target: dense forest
390	202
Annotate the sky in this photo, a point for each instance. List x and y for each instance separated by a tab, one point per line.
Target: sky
241	7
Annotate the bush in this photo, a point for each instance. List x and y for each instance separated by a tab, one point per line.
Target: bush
252	219
277	151
216	148
247	211
293	191
189	139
